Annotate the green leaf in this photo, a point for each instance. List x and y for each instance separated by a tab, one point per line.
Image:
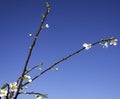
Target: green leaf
45	95
112	37
4	86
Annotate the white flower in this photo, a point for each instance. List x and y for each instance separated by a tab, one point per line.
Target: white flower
87	46
13	86
47	26
38	97
27	77
29	80
30	34
105	45
113	42
56	69
3	93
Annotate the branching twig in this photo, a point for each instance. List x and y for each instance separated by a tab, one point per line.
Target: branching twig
65	58
32	69
11	93
30	52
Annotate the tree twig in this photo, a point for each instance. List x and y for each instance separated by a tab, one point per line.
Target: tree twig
67	57
35	93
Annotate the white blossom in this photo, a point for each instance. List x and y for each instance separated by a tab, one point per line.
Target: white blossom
3	92
47	25
29	80
113	42
13	86
30	34
105	45
28	77
87	46
56	69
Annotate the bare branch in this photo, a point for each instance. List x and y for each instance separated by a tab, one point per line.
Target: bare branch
35	93
29	70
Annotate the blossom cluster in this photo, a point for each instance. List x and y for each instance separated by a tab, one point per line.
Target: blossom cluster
105	45
28	78
12	87
112	42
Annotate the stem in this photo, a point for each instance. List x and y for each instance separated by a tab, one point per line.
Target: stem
36	93
7	97
30	52
32	69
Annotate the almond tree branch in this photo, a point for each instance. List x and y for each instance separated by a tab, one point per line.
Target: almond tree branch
30	52
67	57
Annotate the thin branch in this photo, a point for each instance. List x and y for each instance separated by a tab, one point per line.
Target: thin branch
32	69
67	57
35	93
30	52
29	70
8	91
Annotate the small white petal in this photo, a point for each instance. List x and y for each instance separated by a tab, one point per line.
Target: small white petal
105	45
56	69
113	42
39	68
29	80
47	26
3	92
30	34
27	77
87	46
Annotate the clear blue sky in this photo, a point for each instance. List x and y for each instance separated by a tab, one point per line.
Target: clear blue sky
92	74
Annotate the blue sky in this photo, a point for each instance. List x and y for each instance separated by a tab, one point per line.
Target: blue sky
92	74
